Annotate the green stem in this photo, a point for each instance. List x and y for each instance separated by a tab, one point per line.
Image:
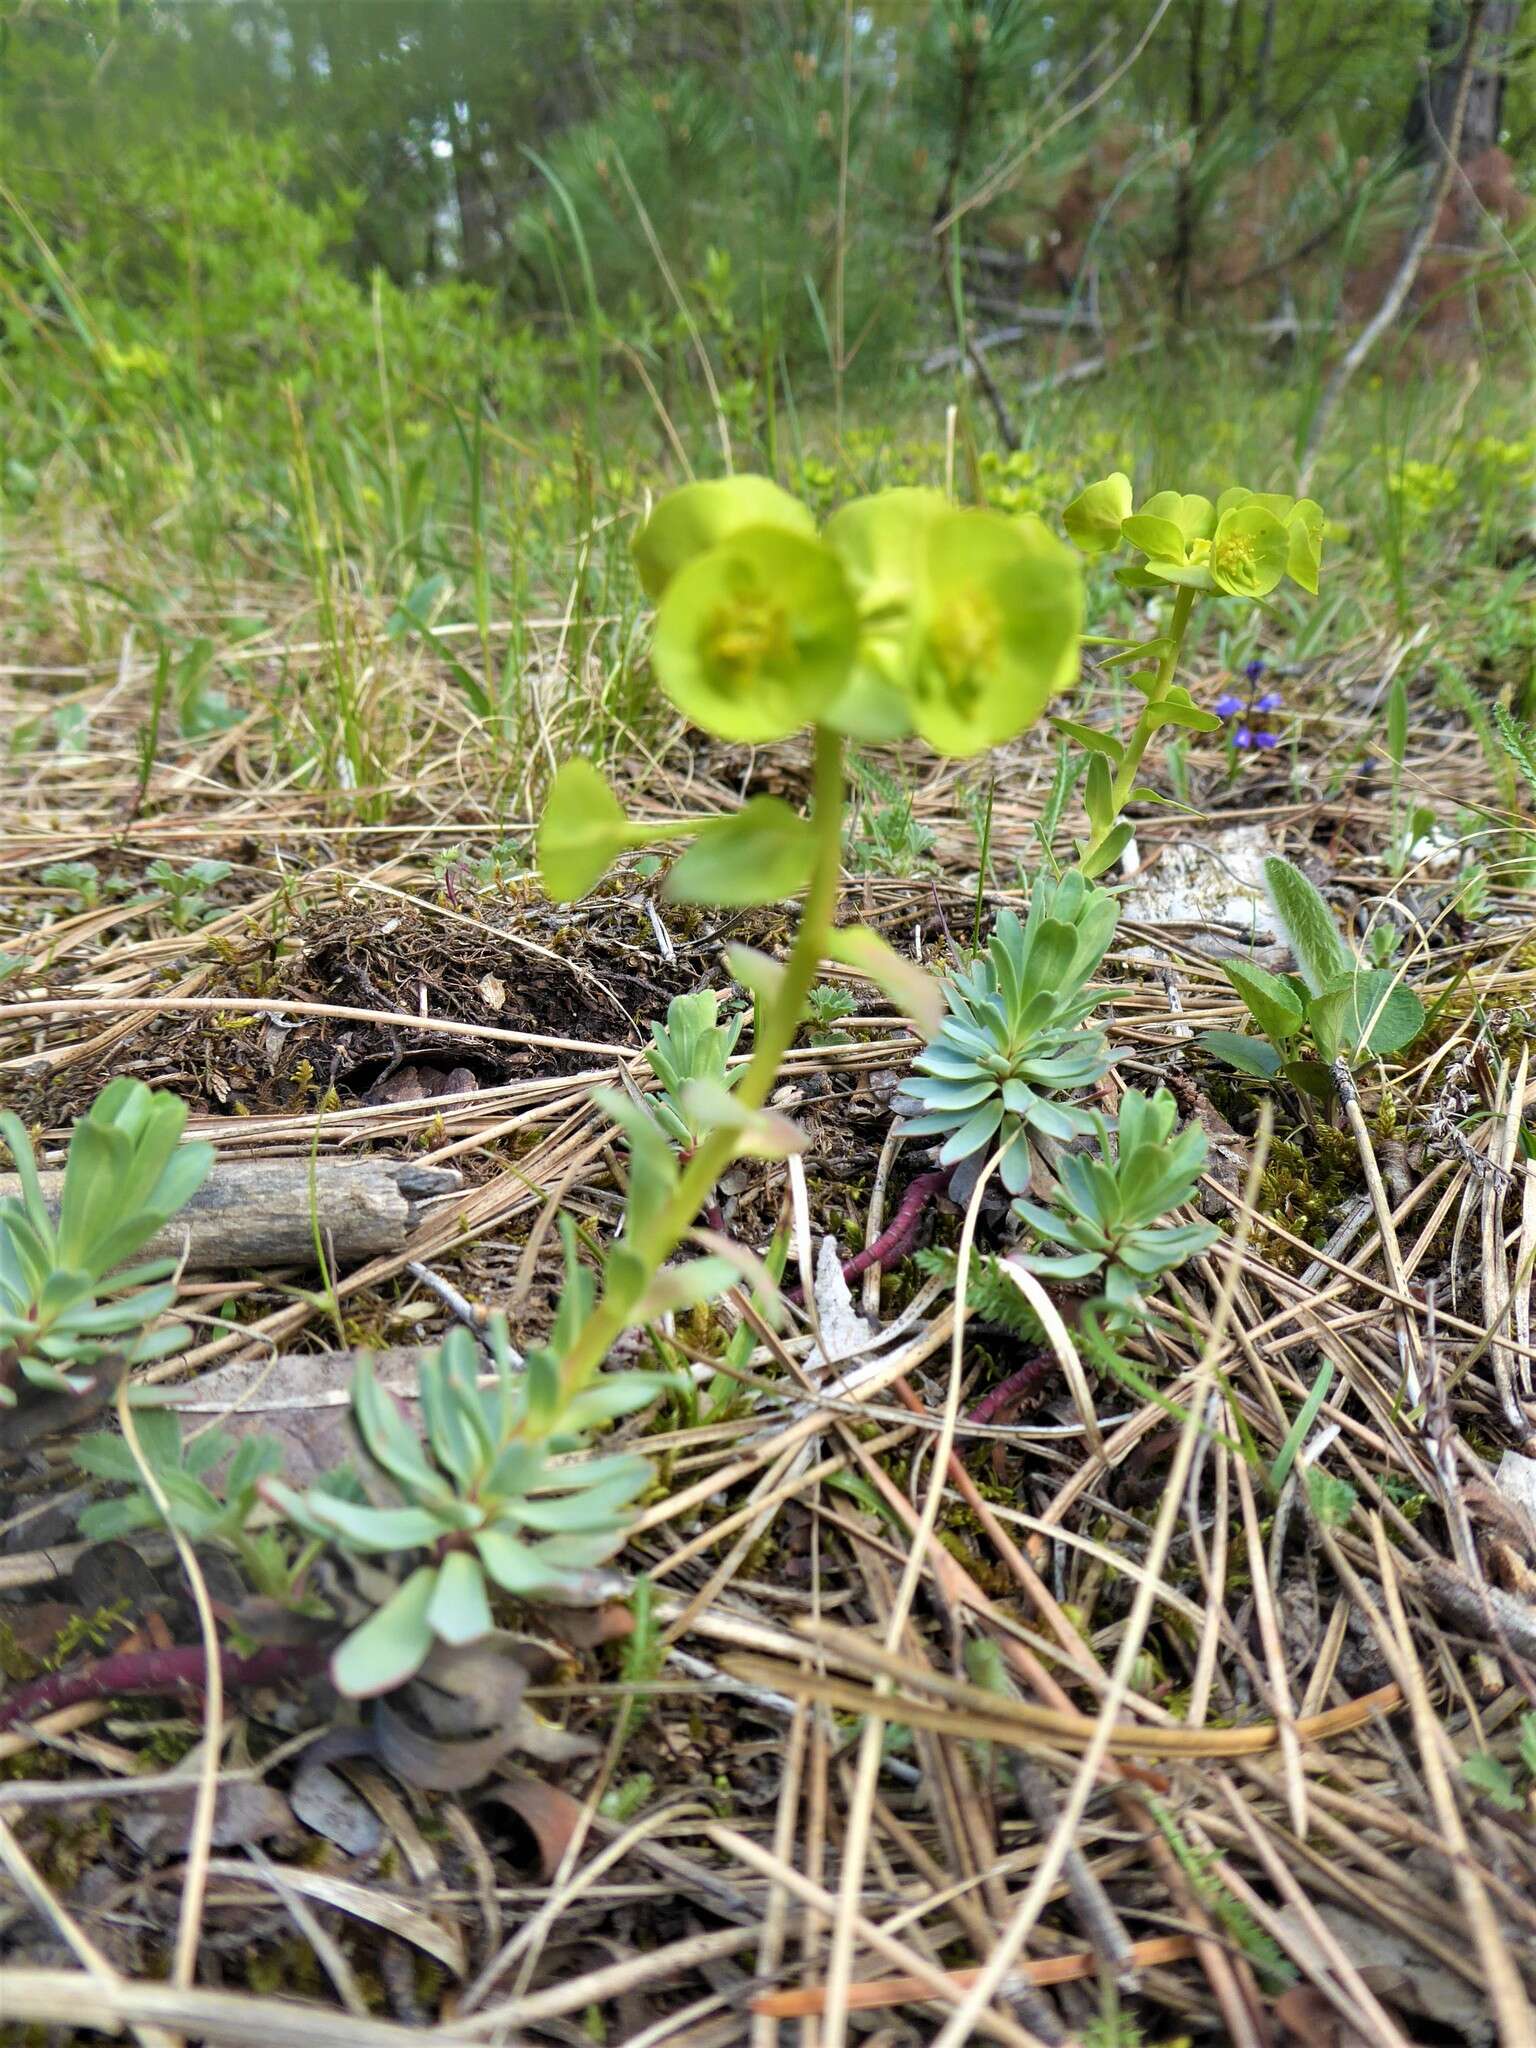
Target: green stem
1136	746
778	1020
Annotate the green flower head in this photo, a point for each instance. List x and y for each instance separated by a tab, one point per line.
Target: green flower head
994	632
1248	551
1242	546
755	637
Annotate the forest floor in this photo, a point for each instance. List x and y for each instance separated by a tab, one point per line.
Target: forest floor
1312	1821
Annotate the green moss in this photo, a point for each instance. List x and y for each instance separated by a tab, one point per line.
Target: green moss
16	1664
1306	1181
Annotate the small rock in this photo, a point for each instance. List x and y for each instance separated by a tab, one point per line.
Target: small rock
1209	882
1516	1480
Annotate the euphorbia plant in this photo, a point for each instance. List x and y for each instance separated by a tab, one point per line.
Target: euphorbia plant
1242	546
904	615
1107	1217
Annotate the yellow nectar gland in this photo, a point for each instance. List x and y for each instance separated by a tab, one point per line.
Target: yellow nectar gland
745	637
1234	558
965	639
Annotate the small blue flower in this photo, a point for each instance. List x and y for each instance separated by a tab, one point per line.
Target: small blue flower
1254	670
1227	705
1266	740
1242	737
1270	701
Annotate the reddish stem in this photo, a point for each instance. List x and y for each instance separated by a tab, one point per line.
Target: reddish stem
900	1234
181	1669
991	1406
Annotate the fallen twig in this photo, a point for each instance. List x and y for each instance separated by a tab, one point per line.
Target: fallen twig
183	1668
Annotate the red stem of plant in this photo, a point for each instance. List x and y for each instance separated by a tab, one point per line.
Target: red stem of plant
182	1669
993	1403
899	1235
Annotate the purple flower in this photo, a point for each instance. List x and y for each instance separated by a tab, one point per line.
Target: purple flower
1227	705
1266	740
1270	701
1242	737
1254	670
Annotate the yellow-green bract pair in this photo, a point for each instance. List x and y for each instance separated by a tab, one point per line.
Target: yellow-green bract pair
904	615
1241	546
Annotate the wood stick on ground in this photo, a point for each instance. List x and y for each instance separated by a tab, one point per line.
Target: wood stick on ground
267	1212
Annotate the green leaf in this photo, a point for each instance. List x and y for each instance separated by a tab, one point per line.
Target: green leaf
1333	1500
1107	852
1098	796
1494	1780
522	1568
1190	575
1370	1011
690	521
1135	576
1144	650
392	1645
1307	924
1304	535
1397	721
1272	1003
106	1520
1254	1056
1159	538
1311	1076
1169	711
911	988
1088	736
759	1133
1095	516
761	854
373	1529
459	1611
757	972
583	832
1194	516
1297	1434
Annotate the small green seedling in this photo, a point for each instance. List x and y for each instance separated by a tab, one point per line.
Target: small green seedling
687	1054
1353	1011
826	1006
1107	1213
69	1301
184	1471
186	890
487	1494
1017	1037
82	879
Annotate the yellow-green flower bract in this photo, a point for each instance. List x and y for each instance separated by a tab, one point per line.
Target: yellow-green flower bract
880	542
697	517
755	638
996	624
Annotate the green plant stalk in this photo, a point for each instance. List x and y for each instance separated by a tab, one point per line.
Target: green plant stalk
779	1020
1136	746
